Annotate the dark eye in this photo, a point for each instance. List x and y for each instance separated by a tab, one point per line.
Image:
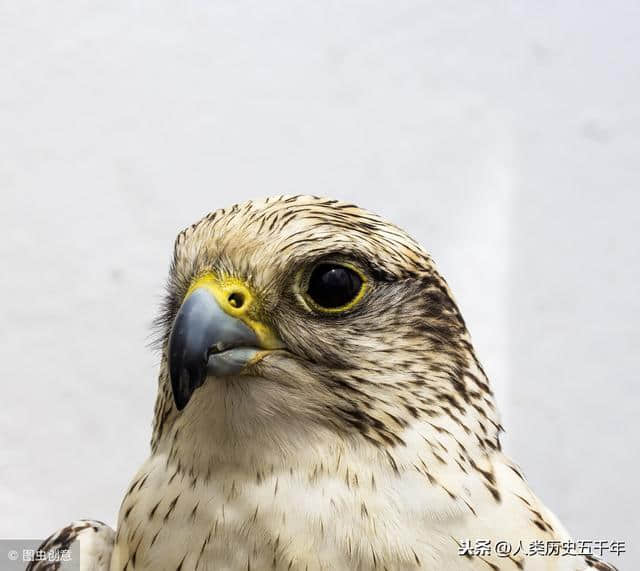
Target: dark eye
332	286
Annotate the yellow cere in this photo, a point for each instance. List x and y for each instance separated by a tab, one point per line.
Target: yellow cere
237	300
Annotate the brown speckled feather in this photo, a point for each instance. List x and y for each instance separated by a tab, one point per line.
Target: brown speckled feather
369	440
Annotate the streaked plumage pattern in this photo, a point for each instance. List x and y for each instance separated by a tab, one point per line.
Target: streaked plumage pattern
370	442
96	543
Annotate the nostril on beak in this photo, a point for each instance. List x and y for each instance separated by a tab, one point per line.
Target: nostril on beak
236	299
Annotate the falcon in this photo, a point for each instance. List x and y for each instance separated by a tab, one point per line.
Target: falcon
320	407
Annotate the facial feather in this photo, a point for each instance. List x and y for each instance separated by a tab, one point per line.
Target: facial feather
401	355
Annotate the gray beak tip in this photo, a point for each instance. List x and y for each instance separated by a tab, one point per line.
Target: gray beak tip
200	325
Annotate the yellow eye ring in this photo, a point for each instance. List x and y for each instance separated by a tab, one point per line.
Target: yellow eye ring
333	287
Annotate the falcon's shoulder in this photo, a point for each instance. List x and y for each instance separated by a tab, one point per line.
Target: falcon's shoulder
593	563
96	544
515	516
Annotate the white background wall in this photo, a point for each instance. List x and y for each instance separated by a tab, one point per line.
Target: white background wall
504	136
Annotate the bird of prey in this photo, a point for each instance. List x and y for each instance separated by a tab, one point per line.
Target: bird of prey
320	407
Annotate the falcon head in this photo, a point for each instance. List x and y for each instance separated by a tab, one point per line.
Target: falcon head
314	313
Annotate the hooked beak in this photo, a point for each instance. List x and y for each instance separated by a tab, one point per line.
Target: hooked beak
210	337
